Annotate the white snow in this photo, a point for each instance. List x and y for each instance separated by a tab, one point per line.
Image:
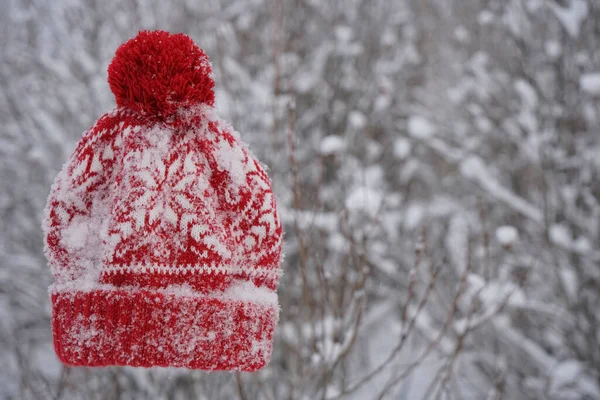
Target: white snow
561	235
46	361
389	37
534	5
76	234
246	291
326	221
82	235
457	242
373	176
572	16
485	17
527	93
484	124
332	144
239	290
476	282
231	158
414	215
553	48
570	283
332	341
461	33
497	292
528	348
338	242
420	127
357	119
507	235
475	169
565	373
382	102
343	33
527	114
582	245
590	83
570	379
402	148
365	199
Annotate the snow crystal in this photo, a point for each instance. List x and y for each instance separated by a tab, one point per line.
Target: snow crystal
506	235
365	199
402	148
420	127
332	144
590	83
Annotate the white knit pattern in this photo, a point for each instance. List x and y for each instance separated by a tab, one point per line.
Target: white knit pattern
270	273
133	202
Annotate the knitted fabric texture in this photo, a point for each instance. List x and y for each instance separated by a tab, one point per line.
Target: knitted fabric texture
162	231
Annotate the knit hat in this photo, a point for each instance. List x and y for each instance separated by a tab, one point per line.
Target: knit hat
162	231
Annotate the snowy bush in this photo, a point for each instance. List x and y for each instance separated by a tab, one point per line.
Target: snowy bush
438	172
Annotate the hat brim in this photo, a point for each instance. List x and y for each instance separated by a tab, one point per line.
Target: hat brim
146	328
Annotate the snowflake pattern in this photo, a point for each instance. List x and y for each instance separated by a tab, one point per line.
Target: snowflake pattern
164	197
172	201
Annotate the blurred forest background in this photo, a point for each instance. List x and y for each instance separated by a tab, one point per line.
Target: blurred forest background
437	164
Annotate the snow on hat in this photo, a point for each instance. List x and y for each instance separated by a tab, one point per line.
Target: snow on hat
162	231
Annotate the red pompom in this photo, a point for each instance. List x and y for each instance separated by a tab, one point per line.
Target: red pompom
156	73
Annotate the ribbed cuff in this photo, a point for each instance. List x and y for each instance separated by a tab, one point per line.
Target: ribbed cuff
145	328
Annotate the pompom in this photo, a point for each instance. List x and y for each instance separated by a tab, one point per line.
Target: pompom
156	73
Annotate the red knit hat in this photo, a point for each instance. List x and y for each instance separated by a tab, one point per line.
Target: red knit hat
162	230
